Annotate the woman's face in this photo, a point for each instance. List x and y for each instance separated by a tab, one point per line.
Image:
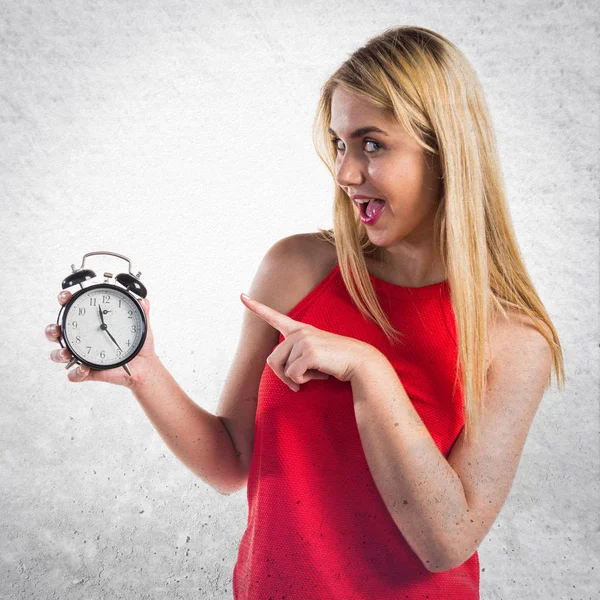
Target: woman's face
389	165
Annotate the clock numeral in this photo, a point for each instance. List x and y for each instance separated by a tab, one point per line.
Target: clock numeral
130	311
93	301
133	329
119	302
119	353
77	340
102	354
105	299
88	349
81	311
128	343
74	324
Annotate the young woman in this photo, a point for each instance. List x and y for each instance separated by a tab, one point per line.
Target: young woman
406	350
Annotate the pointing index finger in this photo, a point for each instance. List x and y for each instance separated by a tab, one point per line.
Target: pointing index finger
281	322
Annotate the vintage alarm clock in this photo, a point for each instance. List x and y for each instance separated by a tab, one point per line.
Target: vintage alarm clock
103	325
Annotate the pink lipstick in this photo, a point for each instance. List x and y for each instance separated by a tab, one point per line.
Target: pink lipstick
371	211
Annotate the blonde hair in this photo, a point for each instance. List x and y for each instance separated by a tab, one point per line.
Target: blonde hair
432	90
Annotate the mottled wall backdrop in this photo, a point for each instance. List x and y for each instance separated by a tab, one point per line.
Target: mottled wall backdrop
179	134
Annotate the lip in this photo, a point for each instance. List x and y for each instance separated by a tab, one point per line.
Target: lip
369	221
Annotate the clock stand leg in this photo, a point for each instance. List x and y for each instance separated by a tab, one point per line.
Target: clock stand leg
71	363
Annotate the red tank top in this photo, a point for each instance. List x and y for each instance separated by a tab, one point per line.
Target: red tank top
317	525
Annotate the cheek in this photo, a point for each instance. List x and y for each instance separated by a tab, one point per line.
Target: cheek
387	177
401	181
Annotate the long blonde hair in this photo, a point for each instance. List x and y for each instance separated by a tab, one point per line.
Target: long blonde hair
432	90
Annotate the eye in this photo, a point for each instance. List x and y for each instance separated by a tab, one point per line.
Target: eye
335	140
379	146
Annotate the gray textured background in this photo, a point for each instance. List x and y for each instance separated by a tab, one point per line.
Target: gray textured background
178	134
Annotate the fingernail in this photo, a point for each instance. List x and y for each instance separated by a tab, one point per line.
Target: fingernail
63	295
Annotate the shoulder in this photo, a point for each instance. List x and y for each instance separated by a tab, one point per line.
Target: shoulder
516	324
304	256
295	265
516	339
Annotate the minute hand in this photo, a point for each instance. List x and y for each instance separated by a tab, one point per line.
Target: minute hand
113	339
105	327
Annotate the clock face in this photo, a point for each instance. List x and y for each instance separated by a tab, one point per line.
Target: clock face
103	326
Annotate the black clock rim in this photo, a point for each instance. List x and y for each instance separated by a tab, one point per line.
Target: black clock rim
81	359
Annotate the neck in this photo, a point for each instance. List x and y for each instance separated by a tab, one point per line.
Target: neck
407	268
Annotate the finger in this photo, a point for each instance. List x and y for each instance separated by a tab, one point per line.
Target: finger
64	297
307	376
53	332
281	322
292	367
79	374
277	360
60	355
298	370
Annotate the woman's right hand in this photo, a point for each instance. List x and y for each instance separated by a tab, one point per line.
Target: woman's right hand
141	366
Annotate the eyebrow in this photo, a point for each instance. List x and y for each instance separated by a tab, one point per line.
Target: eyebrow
360	132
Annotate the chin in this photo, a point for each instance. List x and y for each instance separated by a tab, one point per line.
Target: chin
385	238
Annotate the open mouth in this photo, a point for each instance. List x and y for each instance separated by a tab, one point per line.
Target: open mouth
371	208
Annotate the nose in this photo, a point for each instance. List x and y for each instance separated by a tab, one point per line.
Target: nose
349	172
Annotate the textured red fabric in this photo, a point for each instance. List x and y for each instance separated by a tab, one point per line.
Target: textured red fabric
317	525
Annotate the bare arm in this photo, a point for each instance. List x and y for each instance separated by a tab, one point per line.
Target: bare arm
197	437
445	507
218	449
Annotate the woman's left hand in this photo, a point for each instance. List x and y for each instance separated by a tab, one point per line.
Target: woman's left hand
308	352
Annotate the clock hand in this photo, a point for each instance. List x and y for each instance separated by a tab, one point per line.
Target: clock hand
113	339
105	327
